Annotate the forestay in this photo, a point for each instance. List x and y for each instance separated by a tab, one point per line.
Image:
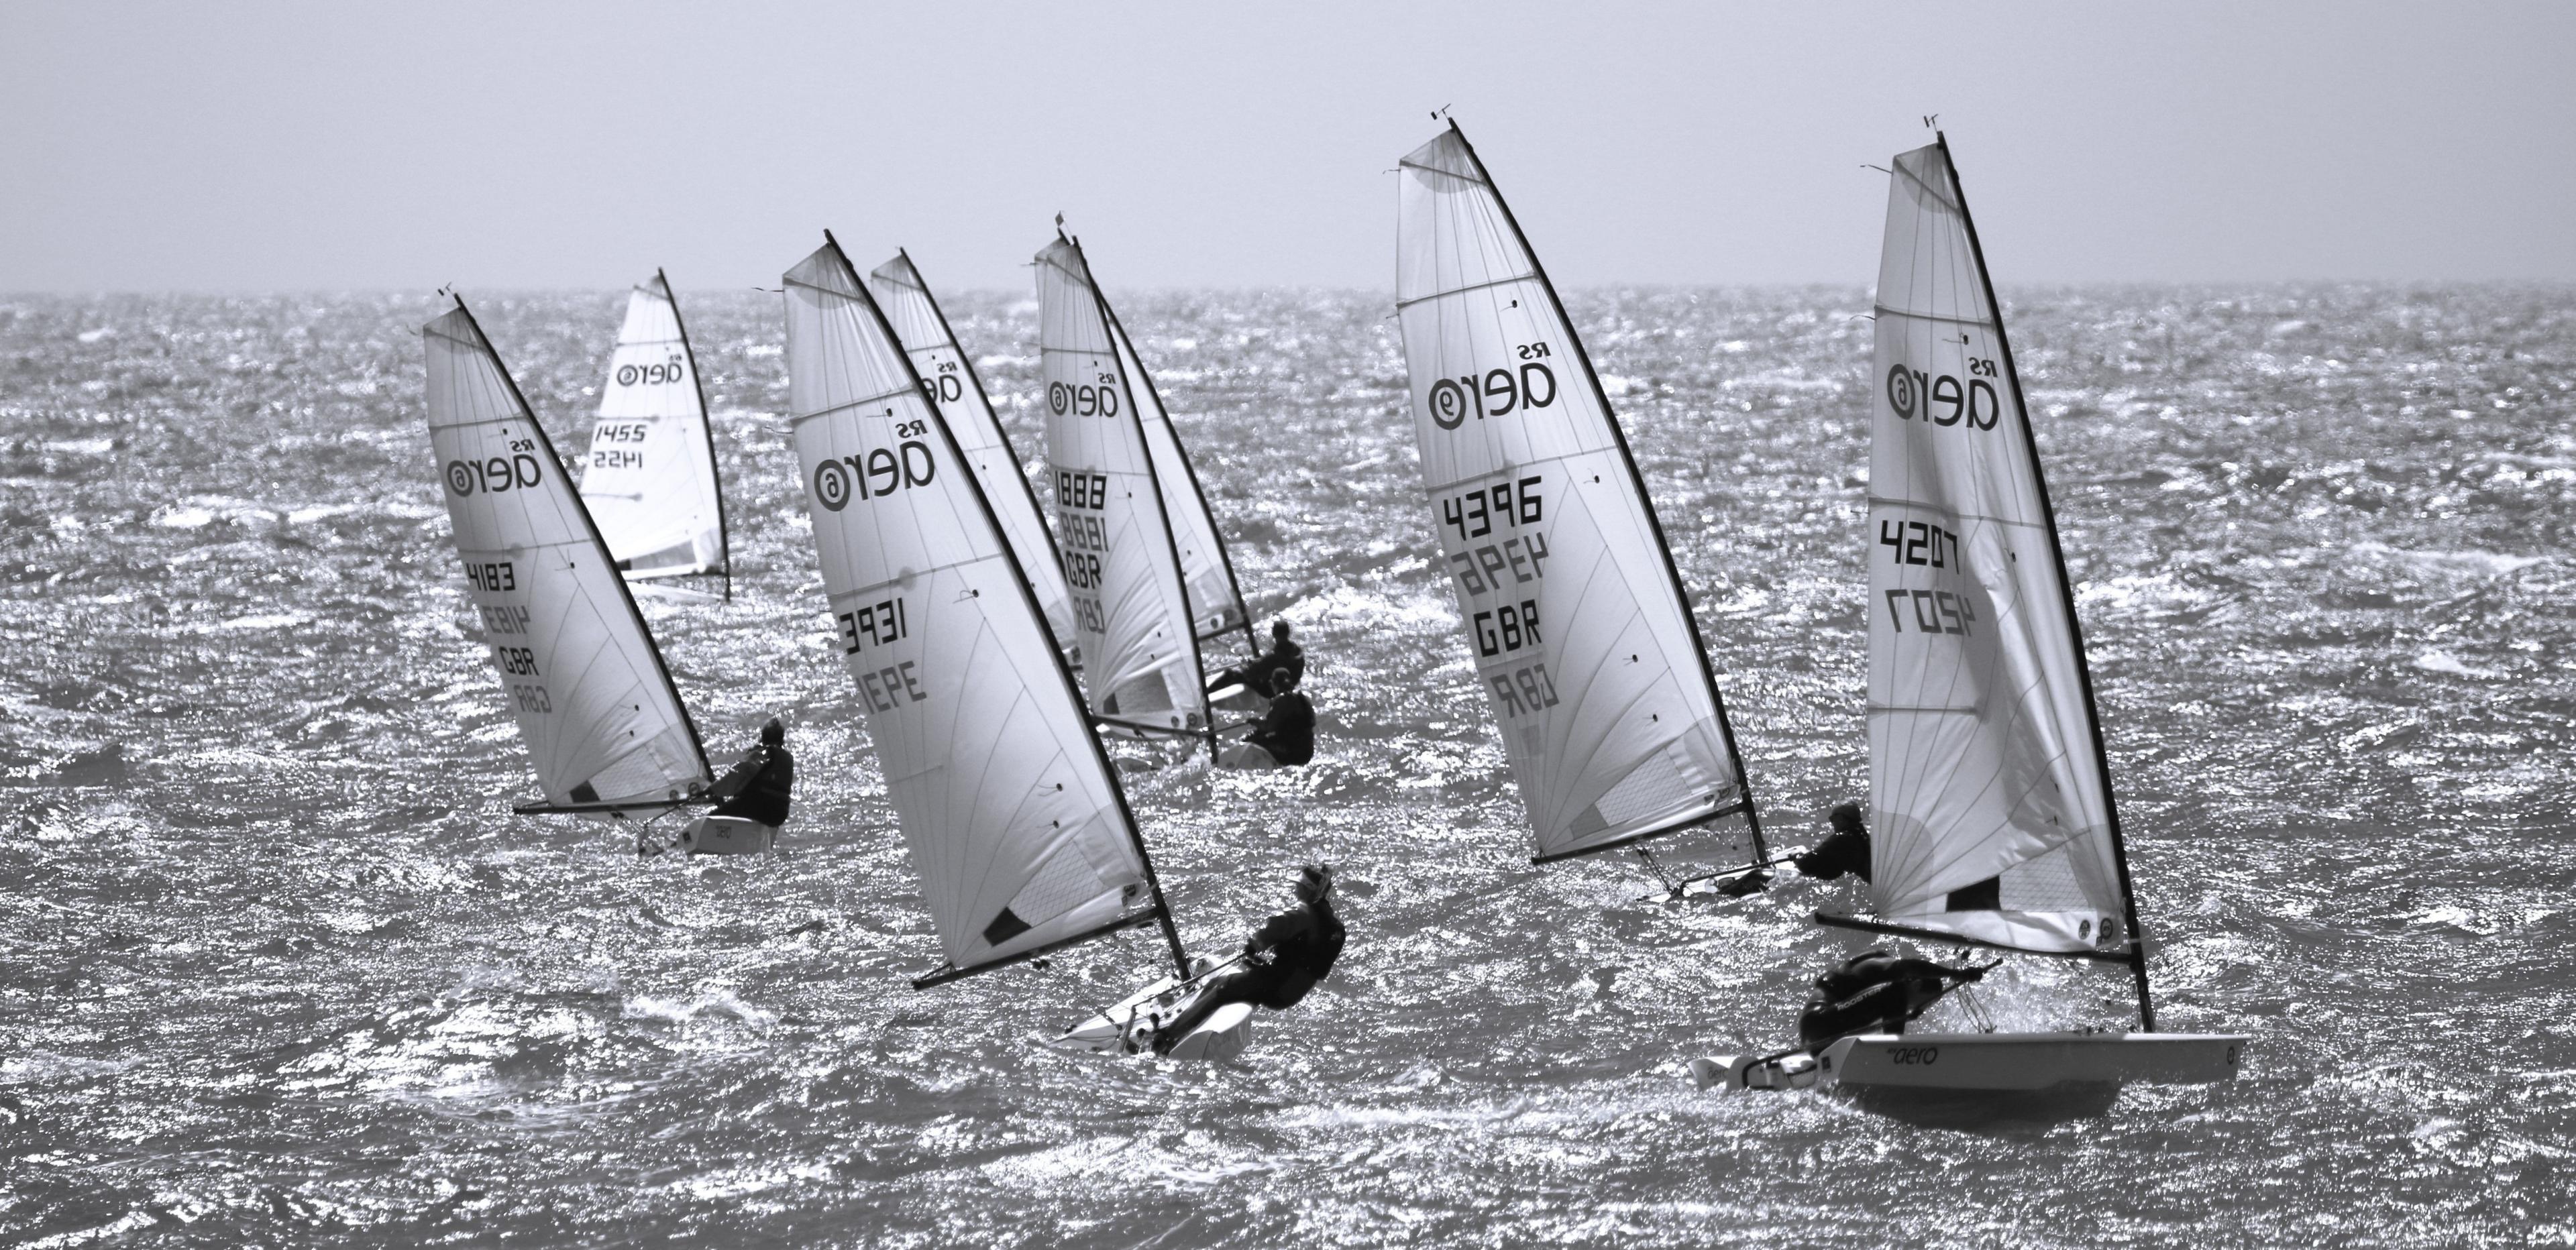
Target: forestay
651	478
1582	637
602	722
1207	573
1006	801
951	379
1990	808
1122	565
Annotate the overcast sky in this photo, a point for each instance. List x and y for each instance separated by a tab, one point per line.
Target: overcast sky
252	147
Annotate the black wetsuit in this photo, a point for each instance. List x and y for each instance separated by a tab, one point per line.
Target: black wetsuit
760	787
1286	656
1282	961
1847	851
1873	993
1287	731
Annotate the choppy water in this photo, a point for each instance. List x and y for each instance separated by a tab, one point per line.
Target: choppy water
277	965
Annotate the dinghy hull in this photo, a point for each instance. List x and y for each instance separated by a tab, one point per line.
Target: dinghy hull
726	835
1130	1027
2028	1062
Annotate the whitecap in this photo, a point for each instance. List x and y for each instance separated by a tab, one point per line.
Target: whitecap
2445	662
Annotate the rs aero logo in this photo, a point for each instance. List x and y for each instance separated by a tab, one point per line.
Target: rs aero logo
671	370
879	472
494	474
1497	393
1937	397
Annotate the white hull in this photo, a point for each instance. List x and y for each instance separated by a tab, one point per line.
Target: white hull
2028	1061
1238	698
1994	1063
1131	1026
726	835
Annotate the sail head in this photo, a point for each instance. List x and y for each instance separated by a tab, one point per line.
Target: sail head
650	476
1122	564
1006	802
1990	811
578	667
1581	636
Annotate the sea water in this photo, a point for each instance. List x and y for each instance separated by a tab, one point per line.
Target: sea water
277	964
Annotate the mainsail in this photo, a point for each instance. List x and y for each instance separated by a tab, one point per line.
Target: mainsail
1216	602
1582	635
1990	792
603	724
951	381
1122	560
651	479
1010	807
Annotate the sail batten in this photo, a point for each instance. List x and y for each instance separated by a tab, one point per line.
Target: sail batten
1582	632
579	670
1989	793
1008	806
650	476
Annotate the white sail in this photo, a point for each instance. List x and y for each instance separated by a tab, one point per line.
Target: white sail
1005	798
577	665
1571	605
1131	609
1216	604
650	480
1990	812
925	333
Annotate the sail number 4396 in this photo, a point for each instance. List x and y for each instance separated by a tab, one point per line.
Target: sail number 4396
1503	503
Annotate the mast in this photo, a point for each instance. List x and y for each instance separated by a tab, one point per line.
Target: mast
1250	639
1171	539
1654	520
1028	598
598	545
2137	959
706	426
977	380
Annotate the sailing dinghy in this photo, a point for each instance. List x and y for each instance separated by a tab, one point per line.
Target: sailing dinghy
1582	632
1149	577
1008	803
1989	787
949	378
605	728
651	481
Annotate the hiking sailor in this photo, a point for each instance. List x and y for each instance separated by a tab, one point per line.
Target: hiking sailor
1282	960
751	800
1875	992
1284	656
1845	851
1284	736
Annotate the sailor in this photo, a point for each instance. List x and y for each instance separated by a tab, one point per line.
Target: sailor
1285	656
1285	735
1282	960
1875	992
758	790
1846	850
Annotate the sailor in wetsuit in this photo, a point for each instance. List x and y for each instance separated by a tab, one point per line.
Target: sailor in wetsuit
1283	959
1285	735
1285	656
1876	992
1845	851
759	789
